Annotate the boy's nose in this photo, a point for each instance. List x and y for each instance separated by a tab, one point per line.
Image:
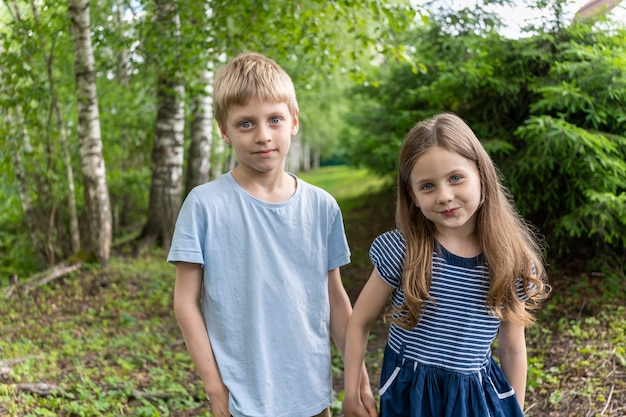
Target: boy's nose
263	136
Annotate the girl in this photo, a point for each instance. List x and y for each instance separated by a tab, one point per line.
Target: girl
462	266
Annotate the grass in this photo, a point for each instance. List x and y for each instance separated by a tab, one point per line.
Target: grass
105	343
344	183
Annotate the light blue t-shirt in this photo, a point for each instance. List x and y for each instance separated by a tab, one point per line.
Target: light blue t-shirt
265	295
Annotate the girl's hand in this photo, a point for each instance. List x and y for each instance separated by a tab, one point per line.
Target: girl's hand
354	407
368	401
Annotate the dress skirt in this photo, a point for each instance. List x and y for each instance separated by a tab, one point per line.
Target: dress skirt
410	389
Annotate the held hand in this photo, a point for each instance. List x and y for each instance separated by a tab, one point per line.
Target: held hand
368	401
219	402
354	407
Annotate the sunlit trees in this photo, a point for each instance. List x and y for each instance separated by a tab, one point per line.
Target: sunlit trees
147	85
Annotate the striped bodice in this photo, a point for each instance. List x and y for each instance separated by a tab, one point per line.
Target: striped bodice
456	331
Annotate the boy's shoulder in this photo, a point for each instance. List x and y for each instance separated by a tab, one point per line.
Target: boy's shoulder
221	183
315	191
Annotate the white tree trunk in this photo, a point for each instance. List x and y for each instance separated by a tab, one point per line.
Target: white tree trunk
97	204
306	157
218	158
69	172
199	158
293	158
122	57
167	152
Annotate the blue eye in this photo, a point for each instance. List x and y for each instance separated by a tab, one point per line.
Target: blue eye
455	178
427	187
246	124
275	120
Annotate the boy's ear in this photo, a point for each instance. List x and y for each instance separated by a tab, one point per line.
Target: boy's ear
224	135
295	125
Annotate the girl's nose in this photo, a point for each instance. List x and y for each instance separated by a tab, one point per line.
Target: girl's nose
445	194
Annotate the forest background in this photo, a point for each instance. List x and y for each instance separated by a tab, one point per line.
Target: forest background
106	124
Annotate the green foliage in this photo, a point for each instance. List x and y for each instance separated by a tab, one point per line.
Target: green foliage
129	198
584	179
18	256
550	109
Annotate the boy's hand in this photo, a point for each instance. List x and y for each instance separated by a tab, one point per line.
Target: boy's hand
219	402
354	407
368	401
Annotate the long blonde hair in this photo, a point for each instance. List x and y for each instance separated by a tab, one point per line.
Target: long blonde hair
510	245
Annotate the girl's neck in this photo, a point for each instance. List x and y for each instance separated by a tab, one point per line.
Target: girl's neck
465	247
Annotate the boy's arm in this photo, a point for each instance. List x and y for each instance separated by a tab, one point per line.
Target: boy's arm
512	353
370	303
340	312
187	293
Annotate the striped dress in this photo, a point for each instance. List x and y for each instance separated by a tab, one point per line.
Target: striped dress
443	366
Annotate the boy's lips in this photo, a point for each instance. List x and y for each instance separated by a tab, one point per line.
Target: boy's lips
264	152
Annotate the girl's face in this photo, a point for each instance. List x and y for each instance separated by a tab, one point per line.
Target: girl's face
446	188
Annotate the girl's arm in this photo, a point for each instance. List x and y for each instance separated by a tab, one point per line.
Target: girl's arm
187	292
512	353
368	307
340	311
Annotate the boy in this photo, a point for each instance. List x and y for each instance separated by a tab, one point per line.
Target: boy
263	250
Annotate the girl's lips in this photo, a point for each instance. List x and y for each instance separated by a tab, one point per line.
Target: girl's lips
450	212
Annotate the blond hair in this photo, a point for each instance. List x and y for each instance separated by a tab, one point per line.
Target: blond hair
510	246
251	76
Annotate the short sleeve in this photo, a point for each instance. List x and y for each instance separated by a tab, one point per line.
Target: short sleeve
187	245
387	254
338	249
521	292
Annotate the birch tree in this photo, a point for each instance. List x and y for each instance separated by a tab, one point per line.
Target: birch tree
199	63
199	156
97	204
168	152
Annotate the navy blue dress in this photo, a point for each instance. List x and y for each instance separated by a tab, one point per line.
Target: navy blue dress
443	366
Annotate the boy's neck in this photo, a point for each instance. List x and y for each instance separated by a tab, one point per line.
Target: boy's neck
271	187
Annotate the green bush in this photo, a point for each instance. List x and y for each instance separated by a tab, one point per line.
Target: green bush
549	108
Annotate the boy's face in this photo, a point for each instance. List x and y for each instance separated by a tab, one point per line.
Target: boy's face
260	133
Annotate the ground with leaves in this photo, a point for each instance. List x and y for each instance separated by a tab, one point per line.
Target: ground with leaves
105	343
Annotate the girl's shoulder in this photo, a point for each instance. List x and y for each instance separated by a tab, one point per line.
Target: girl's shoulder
390	239
387	254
